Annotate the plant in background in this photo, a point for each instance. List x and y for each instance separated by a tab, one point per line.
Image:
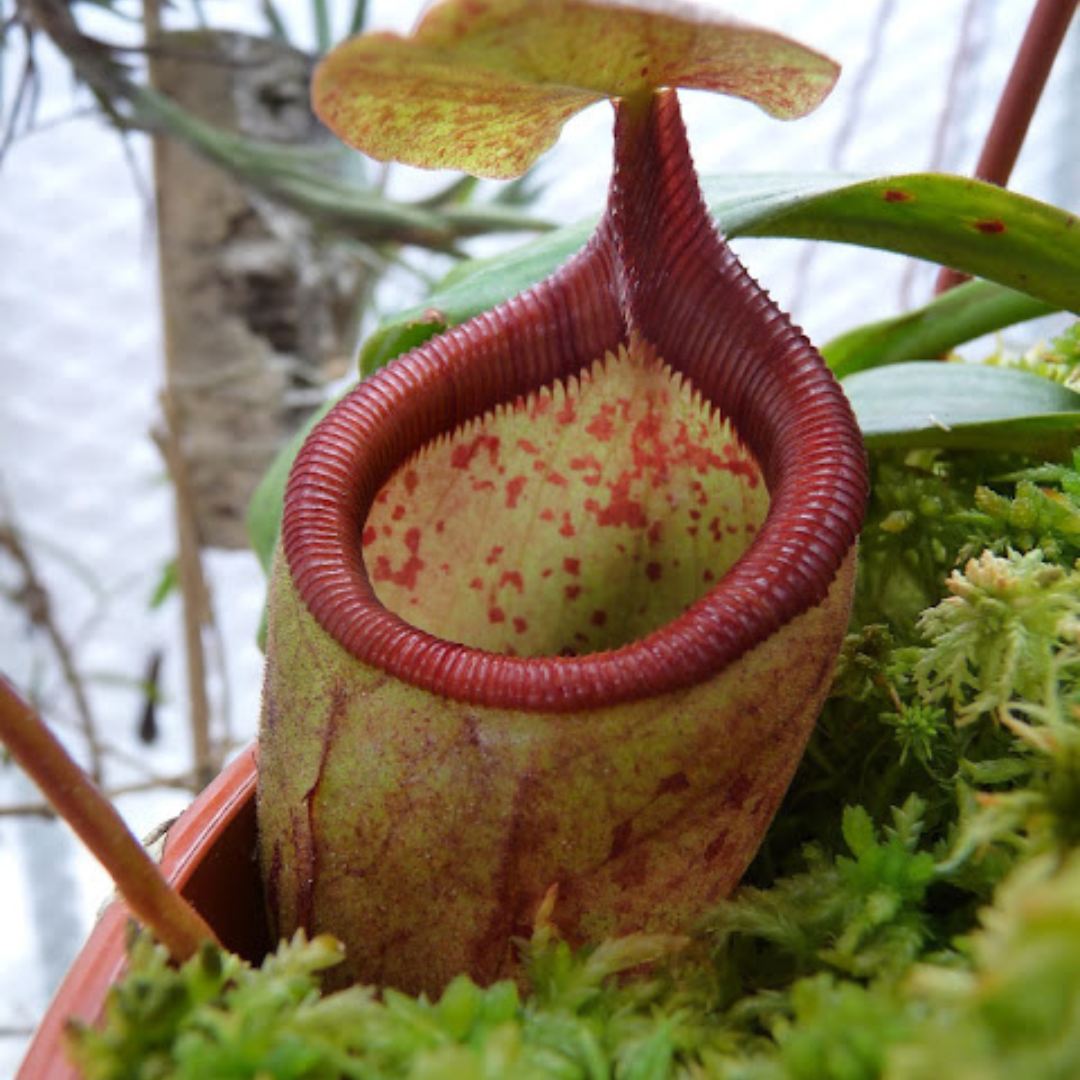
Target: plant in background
319	183
914	902
1008	631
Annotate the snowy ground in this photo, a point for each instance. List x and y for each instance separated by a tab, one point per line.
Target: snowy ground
80	368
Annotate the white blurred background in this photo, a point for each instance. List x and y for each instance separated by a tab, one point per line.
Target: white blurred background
81	367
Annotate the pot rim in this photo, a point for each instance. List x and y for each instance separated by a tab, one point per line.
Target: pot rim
212	822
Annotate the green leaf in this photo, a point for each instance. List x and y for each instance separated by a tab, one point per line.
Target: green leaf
962	314
859	833
975	227
166	585
963	406
486	85
927	215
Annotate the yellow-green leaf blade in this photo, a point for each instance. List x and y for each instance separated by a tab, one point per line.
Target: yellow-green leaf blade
486	85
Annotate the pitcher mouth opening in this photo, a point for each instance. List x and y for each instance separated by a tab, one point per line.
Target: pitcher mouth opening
577	521
378	584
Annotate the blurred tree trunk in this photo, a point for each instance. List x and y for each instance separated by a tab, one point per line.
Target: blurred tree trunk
254	309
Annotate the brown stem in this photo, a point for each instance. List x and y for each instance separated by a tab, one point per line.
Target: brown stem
194	591
99	825
1049	23
195	597
1046	31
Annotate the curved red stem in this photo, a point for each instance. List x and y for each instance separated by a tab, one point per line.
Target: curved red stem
1041	43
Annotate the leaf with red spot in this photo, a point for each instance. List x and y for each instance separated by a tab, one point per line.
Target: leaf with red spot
486	85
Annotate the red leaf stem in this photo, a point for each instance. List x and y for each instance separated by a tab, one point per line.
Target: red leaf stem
1038	50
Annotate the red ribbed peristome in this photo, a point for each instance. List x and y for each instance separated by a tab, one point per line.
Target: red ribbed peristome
656	268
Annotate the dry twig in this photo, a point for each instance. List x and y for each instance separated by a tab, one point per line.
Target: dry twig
34	597
198	611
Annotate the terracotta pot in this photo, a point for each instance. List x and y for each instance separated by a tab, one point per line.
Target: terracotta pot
209	854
